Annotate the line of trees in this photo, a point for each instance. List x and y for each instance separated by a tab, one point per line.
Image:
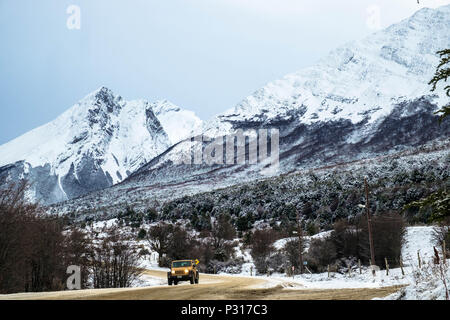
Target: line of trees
215	246
343	247
349	242
33	256
36	250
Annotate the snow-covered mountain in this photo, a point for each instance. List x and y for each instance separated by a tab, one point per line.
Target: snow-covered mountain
96	143
362	80
178	123
366	98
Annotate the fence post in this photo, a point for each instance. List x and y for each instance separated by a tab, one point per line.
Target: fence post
418	258
359	265
387	266
328	268
401	266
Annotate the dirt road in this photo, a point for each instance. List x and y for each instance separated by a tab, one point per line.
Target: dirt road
211	287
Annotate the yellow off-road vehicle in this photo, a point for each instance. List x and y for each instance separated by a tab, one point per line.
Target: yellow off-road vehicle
182	270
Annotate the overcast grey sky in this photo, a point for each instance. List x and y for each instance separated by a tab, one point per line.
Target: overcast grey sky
203	55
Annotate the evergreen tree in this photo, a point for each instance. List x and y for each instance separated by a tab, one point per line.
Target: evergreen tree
438	202
442	73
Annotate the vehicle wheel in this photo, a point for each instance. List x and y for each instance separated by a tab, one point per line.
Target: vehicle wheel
170	282
196	280
192	279
175	282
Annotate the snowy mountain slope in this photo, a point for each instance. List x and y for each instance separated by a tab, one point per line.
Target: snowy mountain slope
362	79
365	98
243	195
178	123
96	143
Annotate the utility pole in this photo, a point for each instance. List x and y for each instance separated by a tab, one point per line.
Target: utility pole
369	222
300	246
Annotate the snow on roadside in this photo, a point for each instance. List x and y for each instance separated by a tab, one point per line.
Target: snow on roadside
416	238
146	280
279	244
336	280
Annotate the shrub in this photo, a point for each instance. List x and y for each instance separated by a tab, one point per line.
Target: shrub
321	253
151	215
113	260
291	252
345	238
388	232
441	233
222	232
158	238
142	234
261	248
233	266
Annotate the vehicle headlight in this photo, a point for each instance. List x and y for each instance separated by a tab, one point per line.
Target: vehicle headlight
173	271
186	270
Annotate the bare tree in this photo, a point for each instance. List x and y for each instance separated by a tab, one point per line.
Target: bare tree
76	246
388	236
321	254
222	232
113	260
158	238
34	250
441	235
181	244
261	248
292	252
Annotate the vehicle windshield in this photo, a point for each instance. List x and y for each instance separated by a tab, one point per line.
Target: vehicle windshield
179	264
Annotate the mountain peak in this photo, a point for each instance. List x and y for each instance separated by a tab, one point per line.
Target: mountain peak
164	106
101	102
428	16
362	77
101	93
428	11
97	142
179	123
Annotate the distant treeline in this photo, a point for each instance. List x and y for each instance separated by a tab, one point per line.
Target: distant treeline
320	198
